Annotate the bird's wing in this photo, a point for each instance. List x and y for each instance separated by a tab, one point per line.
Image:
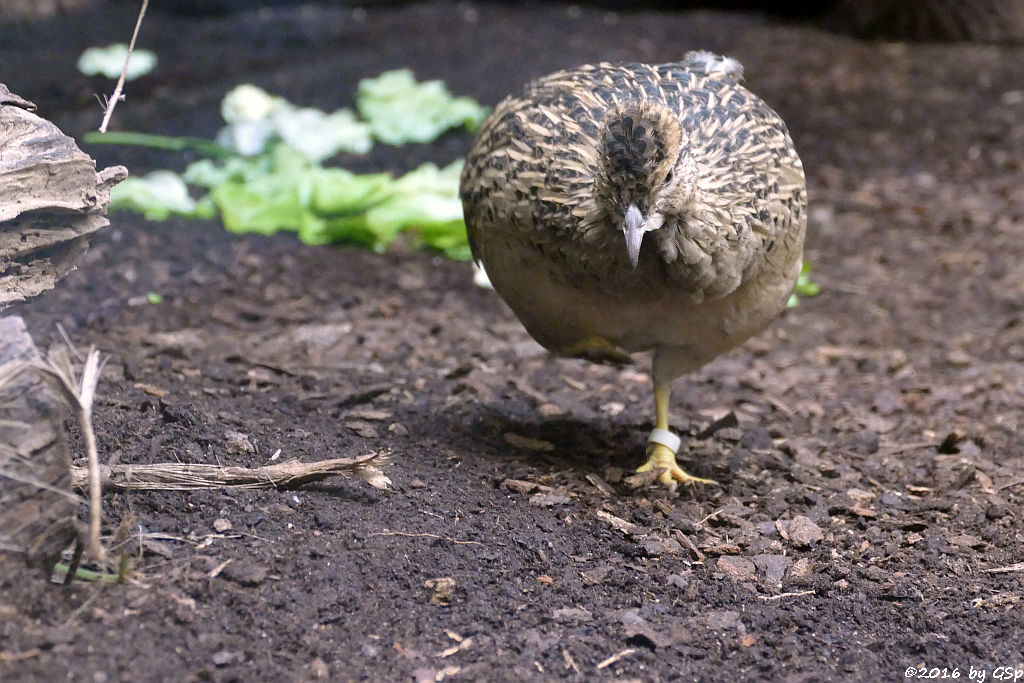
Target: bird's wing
750	182
532	162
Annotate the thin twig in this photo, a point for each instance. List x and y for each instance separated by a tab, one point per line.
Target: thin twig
86	394
124	71
616	657
190	477
769	598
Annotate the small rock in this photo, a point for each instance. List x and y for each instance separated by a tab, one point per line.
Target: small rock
867	442
238	443
549	410
772	566
959	358
801	568
756	439
638	631
966	541
572	614
681	581
398	429
613	408
223	657
442	590
733	434
220	525
318	669
547	500
860	497
893	500
245	573
803	533
722	620
951	444
657	545
424	674
996	511
736	568
363	429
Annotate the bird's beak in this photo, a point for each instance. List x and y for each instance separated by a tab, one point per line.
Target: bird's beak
633	229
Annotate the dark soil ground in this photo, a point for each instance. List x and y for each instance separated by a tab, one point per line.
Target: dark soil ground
872	476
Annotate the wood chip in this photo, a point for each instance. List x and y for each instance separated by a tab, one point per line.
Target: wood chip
601	485
549	499
372	415
523	486
528	443
151	389
736	568
615	657
461	644
617	523
442	590
685	540
1019	567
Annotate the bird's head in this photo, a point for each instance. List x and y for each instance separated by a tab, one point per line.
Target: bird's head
645	174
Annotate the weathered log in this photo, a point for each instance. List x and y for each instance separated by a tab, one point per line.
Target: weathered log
37	508
53	200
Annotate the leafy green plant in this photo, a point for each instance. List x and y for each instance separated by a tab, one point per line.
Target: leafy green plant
805	286
108	61
265	172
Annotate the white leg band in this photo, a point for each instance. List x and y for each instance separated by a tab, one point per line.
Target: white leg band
665	438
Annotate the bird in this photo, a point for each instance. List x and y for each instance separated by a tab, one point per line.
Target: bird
627	208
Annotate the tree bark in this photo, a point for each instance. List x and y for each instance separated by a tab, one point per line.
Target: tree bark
37	509
53	200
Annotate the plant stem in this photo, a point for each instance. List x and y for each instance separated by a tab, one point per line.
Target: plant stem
173	144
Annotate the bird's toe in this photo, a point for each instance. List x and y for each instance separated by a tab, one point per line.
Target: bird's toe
660	457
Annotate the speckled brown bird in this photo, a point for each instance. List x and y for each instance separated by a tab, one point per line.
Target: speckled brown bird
634	207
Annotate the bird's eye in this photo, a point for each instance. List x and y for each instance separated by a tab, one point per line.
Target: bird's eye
668	178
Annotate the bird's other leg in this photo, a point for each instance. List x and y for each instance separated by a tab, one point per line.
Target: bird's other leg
662	444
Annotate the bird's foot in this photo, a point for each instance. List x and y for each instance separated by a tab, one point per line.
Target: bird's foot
662	456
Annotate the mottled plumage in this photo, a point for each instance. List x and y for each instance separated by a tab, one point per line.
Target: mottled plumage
624	208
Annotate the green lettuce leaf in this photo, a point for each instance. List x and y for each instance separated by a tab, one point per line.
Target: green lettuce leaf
400	110
158	196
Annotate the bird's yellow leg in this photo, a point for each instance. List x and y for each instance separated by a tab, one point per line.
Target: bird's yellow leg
661	456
